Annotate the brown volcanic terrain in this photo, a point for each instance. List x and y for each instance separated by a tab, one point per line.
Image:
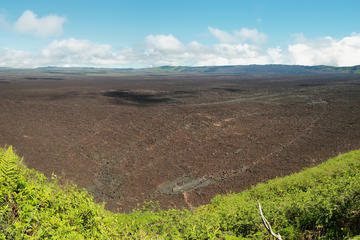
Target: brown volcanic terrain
178	139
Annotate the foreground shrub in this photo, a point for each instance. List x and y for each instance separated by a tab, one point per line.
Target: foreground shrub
318	203
33	207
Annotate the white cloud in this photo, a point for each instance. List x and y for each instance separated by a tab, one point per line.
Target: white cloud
252	35
163	43
244	35
222	36
326	51
65	53
15	58
76	52
276	55
160	50
48	26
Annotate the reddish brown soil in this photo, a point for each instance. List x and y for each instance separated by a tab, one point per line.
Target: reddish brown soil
177	139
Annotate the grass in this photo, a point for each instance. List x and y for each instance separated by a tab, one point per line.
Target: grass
318	203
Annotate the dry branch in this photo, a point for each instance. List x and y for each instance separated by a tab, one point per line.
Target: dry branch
267	224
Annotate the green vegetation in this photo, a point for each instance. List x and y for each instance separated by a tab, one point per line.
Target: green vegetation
318	203
169	69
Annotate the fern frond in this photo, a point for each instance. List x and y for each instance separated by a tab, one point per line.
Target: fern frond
9	169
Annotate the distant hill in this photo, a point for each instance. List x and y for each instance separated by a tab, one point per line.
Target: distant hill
275	69
258	69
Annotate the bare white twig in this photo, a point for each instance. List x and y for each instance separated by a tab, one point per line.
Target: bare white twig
267	224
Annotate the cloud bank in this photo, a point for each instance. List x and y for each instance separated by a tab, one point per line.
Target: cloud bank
239	47
326	51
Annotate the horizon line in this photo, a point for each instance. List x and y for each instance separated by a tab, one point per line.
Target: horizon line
174	66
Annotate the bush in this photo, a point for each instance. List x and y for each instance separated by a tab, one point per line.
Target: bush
318	203
33	207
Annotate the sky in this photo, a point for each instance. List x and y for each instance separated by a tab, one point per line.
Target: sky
143	33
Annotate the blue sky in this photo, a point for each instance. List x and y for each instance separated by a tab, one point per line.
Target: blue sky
150	33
